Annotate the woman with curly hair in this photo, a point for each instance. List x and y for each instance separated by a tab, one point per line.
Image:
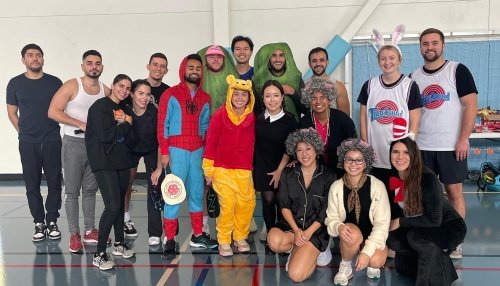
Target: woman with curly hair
333	125
302	197
431	228
358	212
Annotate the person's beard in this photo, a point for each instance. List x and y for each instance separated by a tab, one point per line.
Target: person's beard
192	80
93	74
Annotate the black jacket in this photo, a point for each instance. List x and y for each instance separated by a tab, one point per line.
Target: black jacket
104	138
341	128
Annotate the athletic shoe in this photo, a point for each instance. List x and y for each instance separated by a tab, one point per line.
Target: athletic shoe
122	249
253	226
202	240
53	231
242	245
39	233
91	237
344	274
169	250
373	273
154	240
225	250
129	229
263	234
103	261
458	252
324	257
75	244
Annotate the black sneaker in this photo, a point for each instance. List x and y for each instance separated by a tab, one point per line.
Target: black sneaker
39	234
53	231
203	240
129	229
169	250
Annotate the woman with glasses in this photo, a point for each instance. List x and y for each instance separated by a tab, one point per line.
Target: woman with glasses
333	125
302	197
358	212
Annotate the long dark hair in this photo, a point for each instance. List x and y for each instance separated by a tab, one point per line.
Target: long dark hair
412	178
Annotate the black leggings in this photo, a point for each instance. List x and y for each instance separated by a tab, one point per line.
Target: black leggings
270	209
113	185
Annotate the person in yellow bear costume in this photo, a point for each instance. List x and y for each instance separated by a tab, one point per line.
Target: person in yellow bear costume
228	164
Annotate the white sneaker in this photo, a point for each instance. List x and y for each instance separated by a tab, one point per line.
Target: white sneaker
253	226
458	252
373	273
263	234
154	240
324	258
344	274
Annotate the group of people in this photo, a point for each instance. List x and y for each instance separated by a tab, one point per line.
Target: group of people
240	129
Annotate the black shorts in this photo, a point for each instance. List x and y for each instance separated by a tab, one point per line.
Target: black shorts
446	166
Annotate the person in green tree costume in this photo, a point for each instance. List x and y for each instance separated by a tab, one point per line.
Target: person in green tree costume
275	61
217	65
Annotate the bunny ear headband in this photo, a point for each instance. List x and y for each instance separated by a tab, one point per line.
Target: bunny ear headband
397	35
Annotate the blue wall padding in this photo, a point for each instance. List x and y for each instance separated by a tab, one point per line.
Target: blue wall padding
337	49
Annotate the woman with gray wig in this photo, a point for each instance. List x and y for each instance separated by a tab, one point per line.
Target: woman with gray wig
358	212
302	197
332	125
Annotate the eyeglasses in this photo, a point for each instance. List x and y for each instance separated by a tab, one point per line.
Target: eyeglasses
358	161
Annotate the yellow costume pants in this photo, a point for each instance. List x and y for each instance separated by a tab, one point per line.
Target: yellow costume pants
236	193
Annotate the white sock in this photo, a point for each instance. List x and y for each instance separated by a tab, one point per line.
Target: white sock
347	262
126	217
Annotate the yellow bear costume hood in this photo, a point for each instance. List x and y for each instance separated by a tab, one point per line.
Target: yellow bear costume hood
239	84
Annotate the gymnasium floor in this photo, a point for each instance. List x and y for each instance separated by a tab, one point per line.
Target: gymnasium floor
23	262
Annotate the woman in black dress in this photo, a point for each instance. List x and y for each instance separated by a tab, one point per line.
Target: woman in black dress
272	127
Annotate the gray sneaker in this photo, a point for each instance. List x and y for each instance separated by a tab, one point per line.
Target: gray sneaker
122	249
103	261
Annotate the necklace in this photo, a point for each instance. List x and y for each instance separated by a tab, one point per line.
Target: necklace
307	173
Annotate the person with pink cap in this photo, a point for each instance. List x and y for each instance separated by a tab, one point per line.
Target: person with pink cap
217	65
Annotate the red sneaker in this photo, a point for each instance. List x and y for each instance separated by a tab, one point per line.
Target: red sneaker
75	244
91	237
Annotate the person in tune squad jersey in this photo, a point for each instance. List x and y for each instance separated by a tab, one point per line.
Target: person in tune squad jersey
449	96
385	99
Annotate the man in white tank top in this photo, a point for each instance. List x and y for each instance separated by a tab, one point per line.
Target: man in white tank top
70	106
318	61
449	96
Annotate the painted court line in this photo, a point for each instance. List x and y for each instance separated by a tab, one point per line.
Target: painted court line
168	272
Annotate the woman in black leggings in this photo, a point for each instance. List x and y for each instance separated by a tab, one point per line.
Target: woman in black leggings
109	158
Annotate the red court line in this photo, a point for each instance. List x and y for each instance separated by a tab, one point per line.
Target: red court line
481	269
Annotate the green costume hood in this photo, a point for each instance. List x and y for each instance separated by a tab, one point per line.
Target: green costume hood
215	83
291	77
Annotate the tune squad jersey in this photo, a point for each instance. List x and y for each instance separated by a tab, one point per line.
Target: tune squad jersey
384	103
